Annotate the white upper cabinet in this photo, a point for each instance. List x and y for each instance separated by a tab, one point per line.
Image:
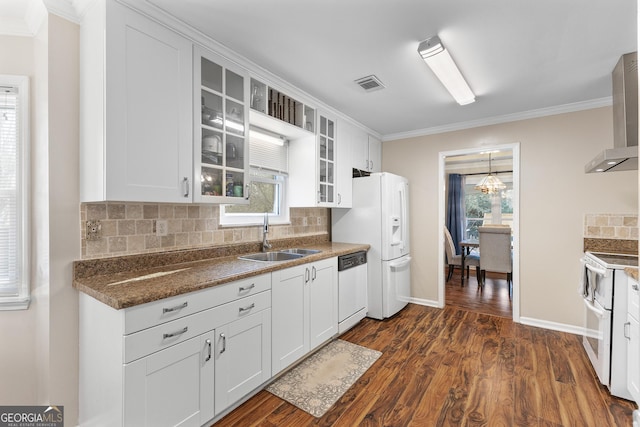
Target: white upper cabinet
221	123
366	150
313	166
374	154
136	120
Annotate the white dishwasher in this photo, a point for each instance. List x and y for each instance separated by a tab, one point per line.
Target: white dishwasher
352	289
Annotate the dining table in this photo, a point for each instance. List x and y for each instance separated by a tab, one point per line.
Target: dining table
466	246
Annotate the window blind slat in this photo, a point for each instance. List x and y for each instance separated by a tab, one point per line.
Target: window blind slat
265	155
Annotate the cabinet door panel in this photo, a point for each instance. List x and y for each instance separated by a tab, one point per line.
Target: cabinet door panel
323	314
245	362
148	111
374	162
633	358
171	387
290	316
221	149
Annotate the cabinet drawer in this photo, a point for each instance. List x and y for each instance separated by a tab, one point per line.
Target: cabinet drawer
633	300
157	312
173	332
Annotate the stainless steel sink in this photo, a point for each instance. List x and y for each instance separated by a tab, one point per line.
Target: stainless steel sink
301	251
271	256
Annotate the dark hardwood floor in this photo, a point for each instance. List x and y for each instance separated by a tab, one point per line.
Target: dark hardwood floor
492	299
458	367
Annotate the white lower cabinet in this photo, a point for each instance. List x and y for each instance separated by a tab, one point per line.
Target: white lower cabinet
178	361
242	358
174	386
188	359
304	310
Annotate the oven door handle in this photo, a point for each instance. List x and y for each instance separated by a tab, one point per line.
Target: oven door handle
598	312
599	271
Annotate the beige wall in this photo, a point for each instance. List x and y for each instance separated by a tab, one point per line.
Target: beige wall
38	360
18	354
555	194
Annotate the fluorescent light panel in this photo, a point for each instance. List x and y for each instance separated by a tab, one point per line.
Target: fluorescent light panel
265	137
438	59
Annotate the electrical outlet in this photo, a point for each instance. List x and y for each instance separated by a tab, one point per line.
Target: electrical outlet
161	227
94	230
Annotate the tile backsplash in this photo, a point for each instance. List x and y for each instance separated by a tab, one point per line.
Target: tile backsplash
130	228
611	226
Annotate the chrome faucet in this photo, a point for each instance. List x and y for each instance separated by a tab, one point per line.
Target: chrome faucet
265	230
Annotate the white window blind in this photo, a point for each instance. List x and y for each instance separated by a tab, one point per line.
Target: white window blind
270	156
14	286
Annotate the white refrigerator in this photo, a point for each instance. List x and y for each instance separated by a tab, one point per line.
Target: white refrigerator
380	217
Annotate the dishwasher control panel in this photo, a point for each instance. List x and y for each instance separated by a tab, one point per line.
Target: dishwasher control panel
352	260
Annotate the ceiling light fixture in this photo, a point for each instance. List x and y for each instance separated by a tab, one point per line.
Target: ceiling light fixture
438	59
490	184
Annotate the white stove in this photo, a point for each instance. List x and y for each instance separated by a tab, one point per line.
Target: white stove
603	287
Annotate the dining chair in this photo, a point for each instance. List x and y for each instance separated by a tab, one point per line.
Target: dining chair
453	259
495	247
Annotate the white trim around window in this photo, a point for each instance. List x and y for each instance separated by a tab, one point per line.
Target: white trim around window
14	193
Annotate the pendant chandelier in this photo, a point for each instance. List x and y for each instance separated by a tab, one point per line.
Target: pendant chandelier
490	184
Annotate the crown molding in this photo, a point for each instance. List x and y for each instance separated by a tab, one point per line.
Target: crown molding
36	12
531	114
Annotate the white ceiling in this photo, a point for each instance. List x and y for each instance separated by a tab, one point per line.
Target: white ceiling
518	56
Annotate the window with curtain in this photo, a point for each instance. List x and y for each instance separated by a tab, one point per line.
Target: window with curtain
481	208
14	193
267	186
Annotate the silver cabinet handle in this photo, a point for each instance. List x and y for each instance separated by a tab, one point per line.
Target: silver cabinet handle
185	181
224	343
339	198
634	286
246	192
241	309
175	334
177	307
208	342
371	165
306	275
313	273
248	288
626	326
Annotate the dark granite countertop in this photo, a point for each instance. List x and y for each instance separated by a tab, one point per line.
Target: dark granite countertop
632	271
123	282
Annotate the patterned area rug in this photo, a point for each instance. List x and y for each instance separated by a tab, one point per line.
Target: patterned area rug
321	379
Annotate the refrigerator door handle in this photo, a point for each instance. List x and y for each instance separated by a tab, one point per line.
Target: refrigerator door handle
405	260
403	213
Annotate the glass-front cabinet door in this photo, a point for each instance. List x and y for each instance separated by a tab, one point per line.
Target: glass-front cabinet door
326	161
221	125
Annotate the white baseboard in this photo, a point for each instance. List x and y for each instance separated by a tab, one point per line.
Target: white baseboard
561	327
425	302
545	324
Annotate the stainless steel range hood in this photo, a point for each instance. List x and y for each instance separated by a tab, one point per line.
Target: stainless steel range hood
624	154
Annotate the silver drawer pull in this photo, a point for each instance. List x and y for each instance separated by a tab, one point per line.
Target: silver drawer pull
248	288
175	334
208	342
224	343
177	307
241	309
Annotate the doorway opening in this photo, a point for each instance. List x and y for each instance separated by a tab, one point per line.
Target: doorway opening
475	209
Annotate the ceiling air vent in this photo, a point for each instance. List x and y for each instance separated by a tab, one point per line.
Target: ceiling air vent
370	83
